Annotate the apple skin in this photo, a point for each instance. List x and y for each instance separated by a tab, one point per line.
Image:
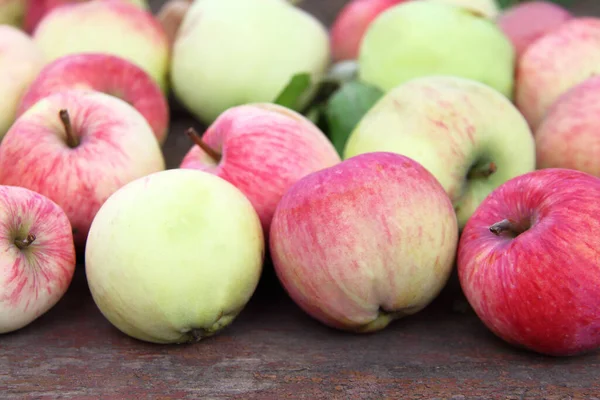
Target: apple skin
116	146
35	275
539	290
555	63
569	135
426	37
106	73
187	272
350	25
365	242
524	23
114	27
265	149
486	8
12	12
232	52
452	126
20	62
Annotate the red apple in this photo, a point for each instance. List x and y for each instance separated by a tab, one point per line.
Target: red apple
529	262
526	22
351	23
364	242
262	149
106	73
38	256
77	148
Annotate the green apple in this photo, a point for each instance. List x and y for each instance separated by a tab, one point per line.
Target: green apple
233	52
429	37
12	12
175	256
488	8
467	134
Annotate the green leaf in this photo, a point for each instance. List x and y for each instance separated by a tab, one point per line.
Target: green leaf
504	4
291	94
345	109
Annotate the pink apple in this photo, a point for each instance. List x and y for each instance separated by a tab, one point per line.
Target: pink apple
114	27
351	23
262	149
38	256
106	73
529	262
77	148
364	242
569	135
555	63
526	22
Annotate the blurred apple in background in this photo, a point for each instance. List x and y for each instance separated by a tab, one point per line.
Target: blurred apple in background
20	62
105	73
77	148
528	262
12	12
262	149
365	242
468	135
113	27
175	256
233	52
524	23
38	256
569	135
555	63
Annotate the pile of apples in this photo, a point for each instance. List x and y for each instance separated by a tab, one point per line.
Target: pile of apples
367	161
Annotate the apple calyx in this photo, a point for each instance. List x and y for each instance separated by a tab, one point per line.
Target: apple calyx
72	140
26	242
197	139
508	226
482	171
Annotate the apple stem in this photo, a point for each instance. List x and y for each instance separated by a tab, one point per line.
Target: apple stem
505	225
482	171
66	120
23	243
191	132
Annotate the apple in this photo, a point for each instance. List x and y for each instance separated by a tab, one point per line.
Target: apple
114	27
38	256
77	148
36	10
106	73
467	134
364	242
554	63
569	135
232	52
526	22
20	62
426	37
486	8
262	149
185	273
12	12
350	25
528	262
170	15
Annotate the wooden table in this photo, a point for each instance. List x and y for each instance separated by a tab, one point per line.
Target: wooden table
275	351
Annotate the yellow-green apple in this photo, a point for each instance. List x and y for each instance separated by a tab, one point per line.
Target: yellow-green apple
262	149
364	242
529	262
467	134
175	256
38	256
569	134
232	52
77	148
350	25
114	27
36	10
487	8
526	22
105	73
20	62
420	38
12	12
555	63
